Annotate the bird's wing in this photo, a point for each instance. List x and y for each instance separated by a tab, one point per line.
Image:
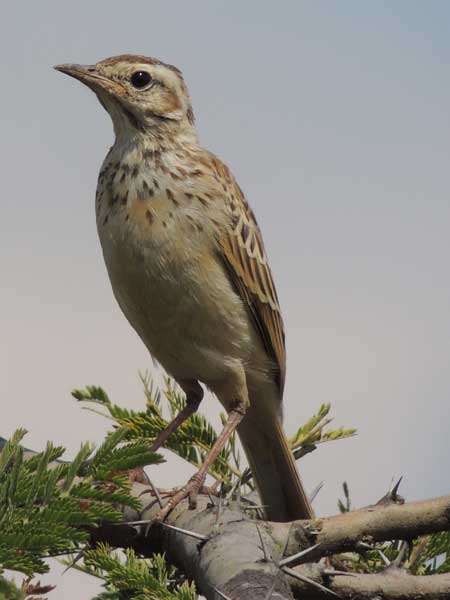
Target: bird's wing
244	255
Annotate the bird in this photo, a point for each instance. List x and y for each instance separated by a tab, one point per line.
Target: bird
188	268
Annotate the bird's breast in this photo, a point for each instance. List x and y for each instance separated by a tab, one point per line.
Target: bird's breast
159	245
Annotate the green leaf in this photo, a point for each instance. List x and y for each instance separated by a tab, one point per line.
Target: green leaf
313	432
76	465
136	578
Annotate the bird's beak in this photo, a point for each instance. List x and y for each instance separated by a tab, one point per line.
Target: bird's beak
89	75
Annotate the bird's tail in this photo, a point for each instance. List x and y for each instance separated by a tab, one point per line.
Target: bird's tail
272	463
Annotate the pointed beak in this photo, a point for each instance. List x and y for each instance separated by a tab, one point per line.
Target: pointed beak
89	75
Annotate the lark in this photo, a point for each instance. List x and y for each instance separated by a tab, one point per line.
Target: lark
188	268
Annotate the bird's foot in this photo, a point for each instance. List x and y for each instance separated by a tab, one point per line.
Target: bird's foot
191	490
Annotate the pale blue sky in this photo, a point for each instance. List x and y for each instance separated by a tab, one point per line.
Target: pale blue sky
334	116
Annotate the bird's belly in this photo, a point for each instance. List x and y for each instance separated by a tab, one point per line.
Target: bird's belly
178	298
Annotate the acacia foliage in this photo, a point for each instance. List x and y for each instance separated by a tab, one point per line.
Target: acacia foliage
49	506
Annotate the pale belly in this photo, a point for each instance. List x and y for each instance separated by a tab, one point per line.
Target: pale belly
177	296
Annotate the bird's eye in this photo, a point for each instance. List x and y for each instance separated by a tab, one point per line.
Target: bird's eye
140	79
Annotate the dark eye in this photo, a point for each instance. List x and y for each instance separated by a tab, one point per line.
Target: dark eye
140	79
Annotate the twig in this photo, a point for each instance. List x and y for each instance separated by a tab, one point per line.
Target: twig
393	521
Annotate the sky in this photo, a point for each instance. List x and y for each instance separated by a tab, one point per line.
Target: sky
334	118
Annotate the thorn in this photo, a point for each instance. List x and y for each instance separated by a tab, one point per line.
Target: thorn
221	594
78	557
263	545
156	492
333	573
134	523
392	495
395	489
401	554
197	536
315	491
293	558
157	495
255	507
311	582
386	561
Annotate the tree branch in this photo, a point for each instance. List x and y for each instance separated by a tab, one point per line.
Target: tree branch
391	584
375	523
241	557
231	556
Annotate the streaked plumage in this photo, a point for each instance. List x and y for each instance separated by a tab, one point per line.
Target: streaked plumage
187	264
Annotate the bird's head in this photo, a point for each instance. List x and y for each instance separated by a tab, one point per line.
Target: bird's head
141	94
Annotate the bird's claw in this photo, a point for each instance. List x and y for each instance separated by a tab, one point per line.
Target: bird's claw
190	491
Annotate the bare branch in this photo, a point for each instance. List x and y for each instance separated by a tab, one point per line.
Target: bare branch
376	523
392	584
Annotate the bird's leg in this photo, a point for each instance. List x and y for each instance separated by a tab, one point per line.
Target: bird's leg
194	395
195	483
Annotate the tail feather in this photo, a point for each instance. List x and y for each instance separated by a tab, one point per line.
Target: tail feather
272	464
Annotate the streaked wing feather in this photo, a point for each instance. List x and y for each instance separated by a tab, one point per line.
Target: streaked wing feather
246	261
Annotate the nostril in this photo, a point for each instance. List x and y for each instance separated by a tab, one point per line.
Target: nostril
91	69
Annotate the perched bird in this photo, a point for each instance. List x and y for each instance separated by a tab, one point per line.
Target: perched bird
188	268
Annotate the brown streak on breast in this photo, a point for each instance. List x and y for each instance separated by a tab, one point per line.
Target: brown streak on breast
171	197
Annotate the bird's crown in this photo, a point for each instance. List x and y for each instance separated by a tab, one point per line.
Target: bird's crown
138	92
